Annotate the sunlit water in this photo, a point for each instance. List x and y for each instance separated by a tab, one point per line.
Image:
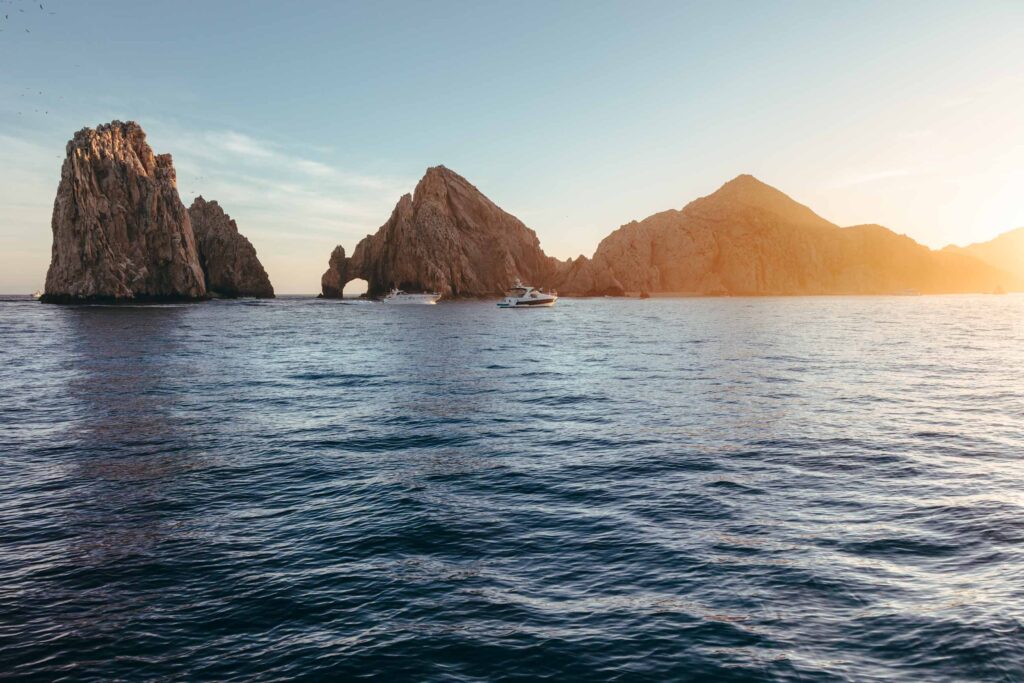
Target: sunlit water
807	489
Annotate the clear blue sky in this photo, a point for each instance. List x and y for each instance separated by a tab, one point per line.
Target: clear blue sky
308	120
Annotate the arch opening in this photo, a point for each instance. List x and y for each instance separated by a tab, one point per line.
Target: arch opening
355	288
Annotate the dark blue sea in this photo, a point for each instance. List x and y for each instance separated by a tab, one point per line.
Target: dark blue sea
776	489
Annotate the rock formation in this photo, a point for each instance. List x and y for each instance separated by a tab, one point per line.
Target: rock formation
745	239
750	239
445	237
227	258
120	231
333	282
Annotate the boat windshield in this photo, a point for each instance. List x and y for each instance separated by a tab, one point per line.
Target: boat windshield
516	291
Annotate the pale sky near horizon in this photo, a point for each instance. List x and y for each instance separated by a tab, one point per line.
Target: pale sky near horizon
307	121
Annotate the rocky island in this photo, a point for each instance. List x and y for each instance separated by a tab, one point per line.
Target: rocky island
228	259
122	234
120	231
445	237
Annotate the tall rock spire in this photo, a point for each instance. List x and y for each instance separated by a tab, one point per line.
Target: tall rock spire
120	231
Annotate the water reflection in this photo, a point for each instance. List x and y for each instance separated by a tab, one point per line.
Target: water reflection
130	437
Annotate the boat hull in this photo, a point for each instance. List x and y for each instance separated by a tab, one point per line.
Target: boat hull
543	303
412	299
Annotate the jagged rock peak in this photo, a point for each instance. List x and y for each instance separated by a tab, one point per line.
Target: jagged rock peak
745	182
120	231
113	134
441	181
442	172
745	192
228	259
748	189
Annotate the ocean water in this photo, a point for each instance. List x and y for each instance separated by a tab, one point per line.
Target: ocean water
779	489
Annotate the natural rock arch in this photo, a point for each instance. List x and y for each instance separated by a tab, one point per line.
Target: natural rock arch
357	286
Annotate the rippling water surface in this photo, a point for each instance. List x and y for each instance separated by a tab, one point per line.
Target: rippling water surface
806	489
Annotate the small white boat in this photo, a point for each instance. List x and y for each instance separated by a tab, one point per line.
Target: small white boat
397	296
38	294
524	296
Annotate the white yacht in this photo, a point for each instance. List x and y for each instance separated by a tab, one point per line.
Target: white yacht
524	296
397	296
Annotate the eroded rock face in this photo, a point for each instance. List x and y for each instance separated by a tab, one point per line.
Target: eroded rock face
750	239
120	231
332	283
228	259
447	237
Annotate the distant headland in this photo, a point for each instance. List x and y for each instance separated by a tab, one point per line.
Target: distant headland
121	233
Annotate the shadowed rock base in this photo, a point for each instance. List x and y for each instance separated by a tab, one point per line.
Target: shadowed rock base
68	300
